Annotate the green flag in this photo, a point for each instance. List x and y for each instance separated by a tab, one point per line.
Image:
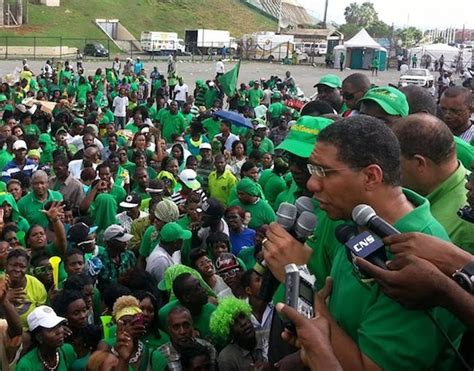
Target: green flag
229	80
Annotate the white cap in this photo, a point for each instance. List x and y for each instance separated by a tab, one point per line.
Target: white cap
205	146
117	232
43	316
188	177
19	144
261	126
211	83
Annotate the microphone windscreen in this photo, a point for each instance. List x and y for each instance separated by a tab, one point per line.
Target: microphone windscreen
286	215
345	232
304	203
361	214
305	225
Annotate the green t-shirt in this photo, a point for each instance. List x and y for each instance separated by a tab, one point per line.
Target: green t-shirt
391	336
132	128
172	124
247	257
31	129
148	243
288	195
31	361
82	90
200	322
277	109
261	212
445	201
266	145
273	187
186	247
255	96
5	158
213	127
30	207
464	152
209	97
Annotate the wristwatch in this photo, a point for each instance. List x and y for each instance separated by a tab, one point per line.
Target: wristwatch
465	277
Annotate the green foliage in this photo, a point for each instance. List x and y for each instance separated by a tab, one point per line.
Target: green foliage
409	36
360	16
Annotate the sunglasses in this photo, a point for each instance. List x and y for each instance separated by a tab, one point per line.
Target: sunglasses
39	271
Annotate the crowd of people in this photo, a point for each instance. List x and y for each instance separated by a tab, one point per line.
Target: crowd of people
135	222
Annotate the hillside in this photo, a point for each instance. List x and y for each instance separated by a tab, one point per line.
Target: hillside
74	19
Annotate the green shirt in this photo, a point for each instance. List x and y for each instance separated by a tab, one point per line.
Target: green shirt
261	212
464	152
31	129
172	124
200	322
273	187
445	201
213	127
148	242
31	361
219	186
391	336
266	145
30	207
255	96
288	195
82	90
132	128
5	158
277	109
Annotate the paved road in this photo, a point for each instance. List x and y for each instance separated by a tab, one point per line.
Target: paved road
306	76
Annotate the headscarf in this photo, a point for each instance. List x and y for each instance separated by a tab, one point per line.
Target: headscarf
248	186
49	147
8	198
104	211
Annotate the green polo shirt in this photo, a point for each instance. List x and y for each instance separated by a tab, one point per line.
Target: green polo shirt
30	207
261	212
31	361
200	322
219	186
172	124
391	336
445	202
464	152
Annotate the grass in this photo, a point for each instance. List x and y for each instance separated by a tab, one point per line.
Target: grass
73	21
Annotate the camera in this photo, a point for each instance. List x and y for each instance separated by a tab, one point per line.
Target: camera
299	291
466	213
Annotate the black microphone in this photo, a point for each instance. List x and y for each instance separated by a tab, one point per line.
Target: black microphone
365	216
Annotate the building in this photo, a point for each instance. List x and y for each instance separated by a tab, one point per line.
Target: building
292	13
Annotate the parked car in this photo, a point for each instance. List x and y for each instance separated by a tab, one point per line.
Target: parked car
96	50
417	76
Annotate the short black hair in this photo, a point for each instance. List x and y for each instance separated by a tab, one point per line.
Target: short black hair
78	282
18	253
358	80
246	278
419	99
112	293
364	140
189	352
316	108
195	254
178	285
64	299
455	91
425	135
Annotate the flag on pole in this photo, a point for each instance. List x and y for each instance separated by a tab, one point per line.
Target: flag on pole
229	80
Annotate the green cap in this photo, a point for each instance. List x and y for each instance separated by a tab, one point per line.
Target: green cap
391	100
303	134
8	107
276	95
332	81
248	186
173	232
3	98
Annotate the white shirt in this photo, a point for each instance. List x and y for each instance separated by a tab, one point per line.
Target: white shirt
180	92
230	139
203	233
76	166
159	260
126	222
220	67
466	75
120	106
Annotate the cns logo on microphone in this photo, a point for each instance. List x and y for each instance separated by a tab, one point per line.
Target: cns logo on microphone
364	244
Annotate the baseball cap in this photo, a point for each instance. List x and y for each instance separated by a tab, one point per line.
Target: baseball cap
225	262
173	231
212	207
303	135
61	129
43	316
332	81
205	146
390	99
261	126
19	144
78	232
188	177
155	186
132	200
116	232
3	97
276	95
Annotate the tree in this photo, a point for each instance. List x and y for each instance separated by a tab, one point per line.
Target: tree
409	36
363	15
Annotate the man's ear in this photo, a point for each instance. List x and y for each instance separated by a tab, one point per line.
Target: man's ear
373	176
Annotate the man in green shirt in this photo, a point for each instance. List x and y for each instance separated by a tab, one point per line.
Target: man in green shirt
329	91
359	315
430	168
255	95
5	156
32	205
277	108
172	122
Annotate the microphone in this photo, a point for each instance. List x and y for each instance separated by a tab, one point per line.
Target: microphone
365	216
286	215
304	203
305	225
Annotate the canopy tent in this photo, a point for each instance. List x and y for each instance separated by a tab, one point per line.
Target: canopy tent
435	51
360	51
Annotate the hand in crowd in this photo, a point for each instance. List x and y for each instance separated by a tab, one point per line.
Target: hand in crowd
124	345
4	286
16	296
446	256
281	249
414	282
55	211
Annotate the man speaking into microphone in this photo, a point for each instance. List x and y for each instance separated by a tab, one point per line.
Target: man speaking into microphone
357	161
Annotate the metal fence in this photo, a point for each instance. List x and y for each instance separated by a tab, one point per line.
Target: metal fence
39	47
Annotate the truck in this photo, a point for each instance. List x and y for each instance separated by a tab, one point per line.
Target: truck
268	46
204	41
161	42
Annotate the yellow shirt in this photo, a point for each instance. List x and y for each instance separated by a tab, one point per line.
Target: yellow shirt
35	295
219	186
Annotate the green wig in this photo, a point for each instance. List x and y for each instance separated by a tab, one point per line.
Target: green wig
223	317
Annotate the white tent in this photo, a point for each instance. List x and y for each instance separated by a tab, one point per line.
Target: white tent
359	52
450	53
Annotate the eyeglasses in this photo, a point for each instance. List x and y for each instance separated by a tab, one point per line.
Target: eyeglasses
39	271
321	172
229	274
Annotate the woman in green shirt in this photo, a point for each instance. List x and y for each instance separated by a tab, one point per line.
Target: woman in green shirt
11	213
48	351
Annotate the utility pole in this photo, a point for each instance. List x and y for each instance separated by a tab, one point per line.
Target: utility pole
325	13
280	11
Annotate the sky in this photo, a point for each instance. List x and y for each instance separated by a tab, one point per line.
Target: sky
418	13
